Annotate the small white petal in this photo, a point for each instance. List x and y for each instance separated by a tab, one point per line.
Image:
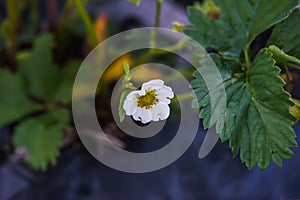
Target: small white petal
130	103
160	111
141	92
156	82
166	91
163	99
143	115
153	85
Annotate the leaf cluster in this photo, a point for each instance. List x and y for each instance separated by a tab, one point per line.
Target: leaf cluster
258	121
36	99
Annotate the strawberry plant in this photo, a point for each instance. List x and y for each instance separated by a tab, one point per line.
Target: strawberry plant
258	118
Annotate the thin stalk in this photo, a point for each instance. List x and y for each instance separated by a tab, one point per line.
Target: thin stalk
130	86
64	19
182	97
155	52
156	23
293	65
180	76
158	12
12	15
87	21
177	46
248	62
247	59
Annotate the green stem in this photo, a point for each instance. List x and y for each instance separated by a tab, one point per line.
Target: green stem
248	62
247	59
182	97
177	46
65	15
87	21
156	23
12	15
293	65
130	86
176	76
158	12
155	52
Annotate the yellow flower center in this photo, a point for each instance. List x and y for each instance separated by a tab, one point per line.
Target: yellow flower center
147	100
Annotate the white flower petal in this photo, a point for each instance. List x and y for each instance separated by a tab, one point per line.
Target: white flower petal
163	99
156	82
143	115
153	85
130	103
160	111
142	92
165	91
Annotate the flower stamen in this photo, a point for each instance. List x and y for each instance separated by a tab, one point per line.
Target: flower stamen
147	100
150	103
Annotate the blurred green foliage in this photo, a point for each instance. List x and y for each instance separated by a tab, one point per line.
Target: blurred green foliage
40	85
35	90
14	101
38	69
41	136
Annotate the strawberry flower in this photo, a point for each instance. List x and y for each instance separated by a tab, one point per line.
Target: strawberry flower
151	103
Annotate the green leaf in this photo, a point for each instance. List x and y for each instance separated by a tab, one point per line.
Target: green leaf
124	94
39	71
126	68
14	103
276	159
281	57
41	137
64	89
286	35
258	121
45	80
239	24
267	14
